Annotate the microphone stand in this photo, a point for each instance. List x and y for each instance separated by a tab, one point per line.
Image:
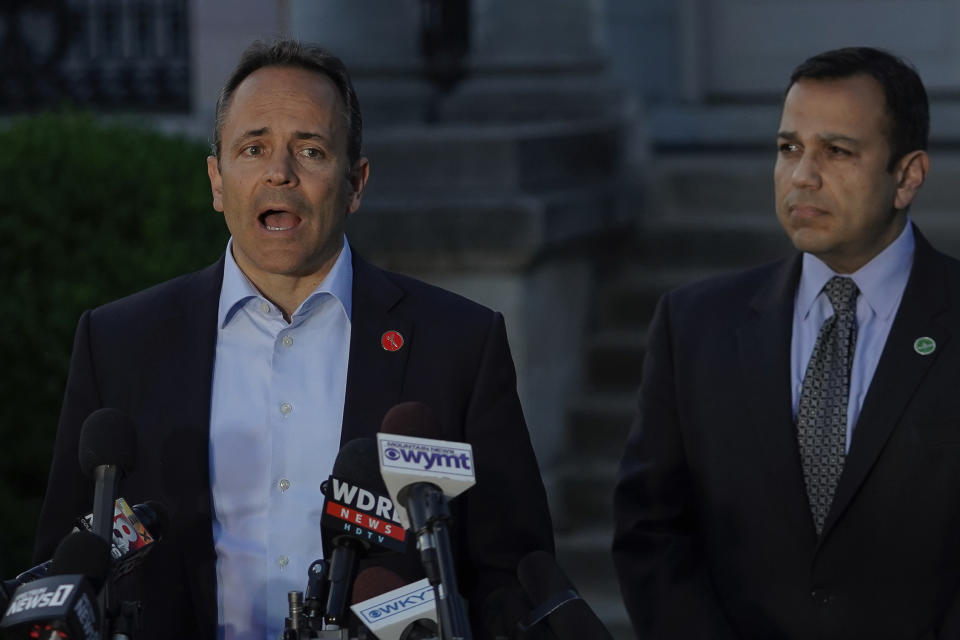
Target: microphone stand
429	517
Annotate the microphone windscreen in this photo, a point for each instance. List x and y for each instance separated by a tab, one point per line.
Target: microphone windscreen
154	516
544	582
373	582
108	437
358	463
411	419
83	552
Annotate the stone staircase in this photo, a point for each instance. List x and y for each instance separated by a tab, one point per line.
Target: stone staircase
706	212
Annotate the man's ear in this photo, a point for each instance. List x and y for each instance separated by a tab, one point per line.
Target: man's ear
359	174
911	171
216	182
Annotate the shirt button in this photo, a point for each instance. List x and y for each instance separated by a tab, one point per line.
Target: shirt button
264	307
286	408
284	484
287	341
283	561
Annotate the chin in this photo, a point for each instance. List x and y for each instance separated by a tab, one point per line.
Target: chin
810	241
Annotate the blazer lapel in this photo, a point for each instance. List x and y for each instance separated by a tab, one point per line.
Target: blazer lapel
193	335
763	344
899	372
375	373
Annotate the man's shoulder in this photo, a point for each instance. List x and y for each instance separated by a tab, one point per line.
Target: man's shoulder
733	288
163	299
424	299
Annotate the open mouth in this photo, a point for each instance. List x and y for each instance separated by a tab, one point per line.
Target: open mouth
278	220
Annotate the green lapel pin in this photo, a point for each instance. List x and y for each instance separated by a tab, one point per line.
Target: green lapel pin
924	346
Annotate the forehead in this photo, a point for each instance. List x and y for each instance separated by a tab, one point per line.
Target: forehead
271	97
855	105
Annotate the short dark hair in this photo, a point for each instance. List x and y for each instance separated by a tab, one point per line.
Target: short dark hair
907	104
299	55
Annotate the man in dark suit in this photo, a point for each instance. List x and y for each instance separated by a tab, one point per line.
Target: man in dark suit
244	378
794	468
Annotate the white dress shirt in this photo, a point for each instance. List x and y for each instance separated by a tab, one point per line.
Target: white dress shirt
881	282
276	416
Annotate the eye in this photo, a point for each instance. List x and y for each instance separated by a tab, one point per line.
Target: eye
834	150
787	147
312	152
252	150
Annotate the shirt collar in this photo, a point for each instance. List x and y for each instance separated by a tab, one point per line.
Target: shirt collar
881	281
237	288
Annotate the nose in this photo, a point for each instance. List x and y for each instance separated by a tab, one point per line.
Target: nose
280	170
806	172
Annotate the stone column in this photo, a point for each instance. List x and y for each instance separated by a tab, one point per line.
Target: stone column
507	196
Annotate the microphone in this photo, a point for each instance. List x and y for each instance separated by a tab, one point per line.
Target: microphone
557	603
315	595
502	612
134	530
421	473
373	582
403	612
64	604
359	519
108	450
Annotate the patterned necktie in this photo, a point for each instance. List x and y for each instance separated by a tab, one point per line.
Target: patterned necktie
822	410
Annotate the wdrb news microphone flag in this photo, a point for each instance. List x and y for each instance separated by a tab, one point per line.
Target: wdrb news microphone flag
406	460
355	511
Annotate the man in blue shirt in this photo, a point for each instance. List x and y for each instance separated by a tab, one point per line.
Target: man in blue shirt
793	470
245	378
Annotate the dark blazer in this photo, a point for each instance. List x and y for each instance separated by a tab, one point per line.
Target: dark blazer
714	537
151	356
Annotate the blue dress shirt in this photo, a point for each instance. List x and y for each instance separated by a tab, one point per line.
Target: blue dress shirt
881	282
276	416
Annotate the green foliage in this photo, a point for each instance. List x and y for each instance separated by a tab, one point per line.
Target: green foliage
88	213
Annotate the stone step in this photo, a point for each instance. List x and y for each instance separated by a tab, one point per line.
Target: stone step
586	485
614	359
628	302
708	241
753	125
728	183
741	183
598	423
728	240
443	230
493	158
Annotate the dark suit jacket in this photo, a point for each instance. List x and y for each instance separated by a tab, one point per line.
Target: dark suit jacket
151	356
714	537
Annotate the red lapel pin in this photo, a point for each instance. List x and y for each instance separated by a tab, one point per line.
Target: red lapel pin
391	340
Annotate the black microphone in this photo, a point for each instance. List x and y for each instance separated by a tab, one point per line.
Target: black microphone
358	519
64	604
503	613
422	471
108	450
556	602
315	595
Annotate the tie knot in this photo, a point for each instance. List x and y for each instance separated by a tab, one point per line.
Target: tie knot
842	293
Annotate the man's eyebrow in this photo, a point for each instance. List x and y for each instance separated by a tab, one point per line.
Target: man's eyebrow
838	137
311	135
822	137
251	133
